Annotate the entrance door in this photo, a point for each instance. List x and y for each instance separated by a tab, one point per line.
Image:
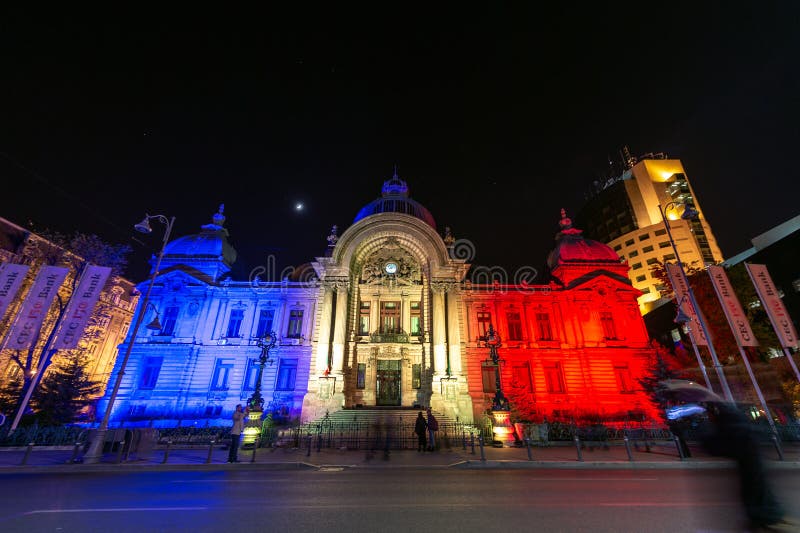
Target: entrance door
388	384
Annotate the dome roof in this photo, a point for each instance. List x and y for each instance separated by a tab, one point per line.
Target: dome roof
208	251
395	199
572	247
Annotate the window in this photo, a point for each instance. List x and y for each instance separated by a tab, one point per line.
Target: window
416	328
647	249
361	376
660	232
521	376
607	321
363	318
652	261
390	317
640	278
488	375
220	380
287	372
645	290
544	332
618	247
295	329
636	266
150	371
250	374
644	237
624	380
664	244
629	242
484	319
170	318
514	326
235	322
669	257
266	317
633	254
416	376
554	378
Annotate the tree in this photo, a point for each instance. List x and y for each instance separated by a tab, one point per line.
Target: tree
662	365
65	391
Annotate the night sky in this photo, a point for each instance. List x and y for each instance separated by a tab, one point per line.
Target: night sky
496	117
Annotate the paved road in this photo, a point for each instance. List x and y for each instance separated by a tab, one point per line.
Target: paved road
402	500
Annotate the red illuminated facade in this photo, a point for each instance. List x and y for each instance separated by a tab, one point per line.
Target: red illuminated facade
572	349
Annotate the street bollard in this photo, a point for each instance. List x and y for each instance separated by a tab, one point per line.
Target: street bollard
309	438
472	441
678	445
120	450
27	453
528	445
319	442
480	443
211	449
778	448
166	452
578	448
255	447
75	450
628	448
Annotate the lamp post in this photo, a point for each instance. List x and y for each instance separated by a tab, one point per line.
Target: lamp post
682	319
503	429
96	447
266	343
492	340
689	213
255	403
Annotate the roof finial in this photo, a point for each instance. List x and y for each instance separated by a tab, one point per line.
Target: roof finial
395	176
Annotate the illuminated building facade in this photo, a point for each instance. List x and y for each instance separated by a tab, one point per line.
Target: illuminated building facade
624	213
388	316
113	315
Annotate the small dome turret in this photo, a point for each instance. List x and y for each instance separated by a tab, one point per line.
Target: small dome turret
208	251
573	248
395	199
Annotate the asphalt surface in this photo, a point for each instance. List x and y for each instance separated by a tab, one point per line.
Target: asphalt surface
336	499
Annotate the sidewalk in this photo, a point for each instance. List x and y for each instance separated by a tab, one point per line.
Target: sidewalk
563	455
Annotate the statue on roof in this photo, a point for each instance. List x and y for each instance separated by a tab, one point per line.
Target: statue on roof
333	238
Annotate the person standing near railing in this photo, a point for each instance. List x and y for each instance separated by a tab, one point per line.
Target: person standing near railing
433	427
236	433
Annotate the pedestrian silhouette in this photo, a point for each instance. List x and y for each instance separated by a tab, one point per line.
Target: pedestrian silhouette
421	428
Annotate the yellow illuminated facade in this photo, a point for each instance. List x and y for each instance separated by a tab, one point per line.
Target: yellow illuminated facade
624	214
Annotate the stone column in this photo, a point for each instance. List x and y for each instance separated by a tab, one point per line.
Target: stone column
454	331
339	328
439	333
324	333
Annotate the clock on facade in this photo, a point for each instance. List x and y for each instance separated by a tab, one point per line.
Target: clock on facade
391	268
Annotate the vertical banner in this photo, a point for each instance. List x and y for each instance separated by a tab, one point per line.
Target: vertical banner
733	309
681	287
80	307
33	311
11	277
773	305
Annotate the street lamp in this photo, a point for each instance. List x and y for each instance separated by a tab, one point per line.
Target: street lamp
266	343
96	447
492	341
682	319
256	403
689	212
502	428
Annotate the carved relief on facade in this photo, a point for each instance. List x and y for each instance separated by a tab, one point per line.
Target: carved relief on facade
391	264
